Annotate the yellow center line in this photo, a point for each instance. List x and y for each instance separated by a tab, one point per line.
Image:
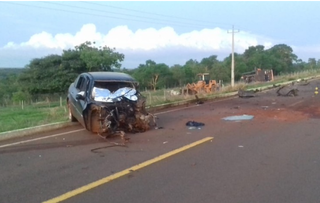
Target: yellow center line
124	172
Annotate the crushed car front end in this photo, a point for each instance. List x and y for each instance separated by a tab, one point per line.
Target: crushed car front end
115	108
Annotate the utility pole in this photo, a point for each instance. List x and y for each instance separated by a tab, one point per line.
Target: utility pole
232	60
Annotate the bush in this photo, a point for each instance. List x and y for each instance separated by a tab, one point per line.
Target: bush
20	96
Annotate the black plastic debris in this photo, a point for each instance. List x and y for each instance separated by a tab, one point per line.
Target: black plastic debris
194	124
246	93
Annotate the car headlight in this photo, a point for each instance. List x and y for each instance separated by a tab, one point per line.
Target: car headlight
133	98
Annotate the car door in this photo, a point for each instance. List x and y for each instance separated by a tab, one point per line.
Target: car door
80	104
72	93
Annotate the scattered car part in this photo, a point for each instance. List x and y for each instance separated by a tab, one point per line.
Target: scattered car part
246	93
238	118
285	90
257	75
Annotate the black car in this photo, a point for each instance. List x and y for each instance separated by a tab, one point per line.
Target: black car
108	103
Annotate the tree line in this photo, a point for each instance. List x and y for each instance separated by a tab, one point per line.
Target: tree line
54	73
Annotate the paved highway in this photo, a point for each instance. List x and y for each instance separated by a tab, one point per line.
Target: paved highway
272	158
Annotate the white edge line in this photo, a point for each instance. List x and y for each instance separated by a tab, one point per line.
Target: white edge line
40	138
45	125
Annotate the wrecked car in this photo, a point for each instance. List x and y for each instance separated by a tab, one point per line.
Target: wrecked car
108	103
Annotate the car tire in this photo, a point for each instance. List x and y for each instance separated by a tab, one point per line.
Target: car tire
70	115
95	124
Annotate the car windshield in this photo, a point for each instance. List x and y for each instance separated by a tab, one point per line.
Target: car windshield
112	86
107	91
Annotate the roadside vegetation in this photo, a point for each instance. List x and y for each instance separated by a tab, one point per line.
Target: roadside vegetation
36	94
14	117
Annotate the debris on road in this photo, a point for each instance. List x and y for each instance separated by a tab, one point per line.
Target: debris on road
246	93
265	107
198	100
287	91
193	128
113	144
238	117
301	82
194	124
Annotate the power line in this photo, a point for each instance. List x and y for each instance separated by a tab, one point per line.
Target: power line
159	21
136	16
167	16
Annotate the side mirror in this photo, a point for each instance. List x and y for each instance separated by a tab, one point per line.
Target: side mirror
80	95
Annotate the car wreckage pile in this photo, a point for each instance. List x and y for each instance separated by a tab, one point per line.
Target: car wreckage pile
108	103
120	112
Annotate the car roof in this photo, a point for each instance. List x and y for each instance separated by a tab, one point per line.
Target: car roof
113	76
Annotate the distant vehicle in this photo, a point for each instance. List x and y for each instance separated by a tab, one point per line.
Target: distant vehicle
257	75
204	84
108	103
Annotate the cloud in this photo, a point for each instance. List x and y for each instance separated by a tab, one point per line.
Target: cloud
165	42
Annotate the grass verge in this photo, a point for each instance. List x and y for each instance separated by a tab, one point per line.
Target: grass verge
14	117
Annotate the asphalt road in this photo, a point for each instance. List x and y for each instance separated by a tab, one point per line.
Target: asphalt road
272	158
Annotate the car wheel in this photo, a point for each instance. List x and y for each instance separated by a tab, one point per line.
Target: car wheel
70	115
95	124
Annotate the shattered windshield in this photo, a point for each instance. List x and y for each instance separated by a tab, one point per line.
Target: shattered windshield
107	92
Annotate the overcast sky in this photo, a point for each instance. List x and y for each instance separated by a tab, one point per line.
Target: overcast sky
164	31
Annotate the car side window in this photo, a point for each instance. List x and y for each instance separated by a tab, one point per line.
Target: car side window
84	84
75	83
80	83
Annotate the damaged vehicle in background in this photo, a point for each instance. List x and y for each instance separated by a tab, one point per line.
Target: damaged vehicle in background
108	103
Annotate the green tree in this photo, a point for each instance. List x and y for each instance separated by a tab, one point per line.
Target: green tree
281	58
312	63
152	75
255	57
191	69
178	75
40	77
54	73
8	86
99	59
209	62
